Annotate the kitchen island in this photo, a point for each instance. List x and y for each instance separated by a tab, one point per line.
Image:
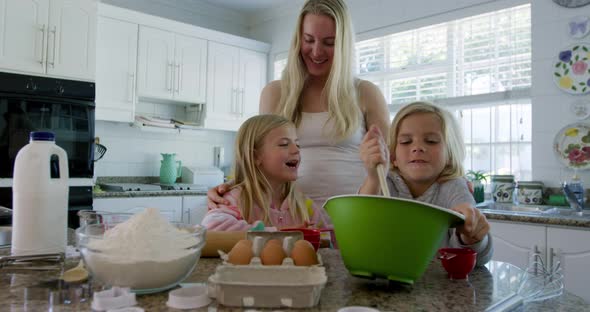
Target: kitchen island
39	291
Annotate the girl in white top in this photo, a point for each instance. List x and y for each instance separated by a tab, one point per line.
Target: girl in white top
330	108
427	153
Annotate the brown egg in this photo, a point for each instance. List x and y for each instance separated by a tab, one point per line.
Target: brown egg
303	253
274	241
272	254
241	253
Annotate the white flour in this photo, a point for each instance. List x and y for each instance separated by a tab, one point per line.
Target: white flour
145	251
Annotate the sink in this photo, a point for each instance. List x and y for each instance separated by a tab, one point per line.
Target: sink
534	210
566	212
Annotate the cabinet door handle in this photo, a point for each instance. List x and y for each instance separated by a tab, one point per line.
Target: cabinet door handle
243	104
130	93
169	76
54	32
178	78
234	100
42	29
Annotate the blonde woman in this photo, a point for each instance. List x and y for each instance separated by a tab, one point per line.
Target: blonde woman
266	162
331	109
427	153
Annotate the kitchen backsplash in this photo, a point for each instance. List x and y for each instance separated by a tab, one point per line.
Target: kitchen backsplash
136	152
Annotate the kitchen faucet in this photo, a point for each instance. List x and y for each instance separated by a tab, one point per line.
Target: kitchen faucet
574	194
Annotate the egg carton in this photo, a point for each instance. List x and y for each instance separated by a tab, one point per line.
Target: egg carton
268	286
259	240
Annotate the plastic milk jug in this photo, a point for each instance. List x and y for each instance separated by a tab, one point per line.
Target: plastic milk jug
40	197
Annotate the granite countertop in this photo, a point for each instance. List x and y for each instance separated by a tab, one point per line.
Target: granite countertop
583	222
126	194
97	193
37	291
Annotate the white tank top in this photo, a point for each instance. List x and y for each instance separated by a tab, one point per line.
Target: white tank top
328	168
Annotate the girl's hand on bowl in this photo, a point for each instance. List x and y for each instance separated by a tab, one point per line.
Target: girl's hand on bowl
476	226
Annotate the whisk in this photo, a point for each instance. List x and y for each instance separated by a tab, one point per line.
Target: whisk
536	284
99	149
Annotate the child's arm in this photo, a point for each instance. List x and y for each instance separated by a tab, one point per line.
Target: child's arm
373	151
226	217
318	216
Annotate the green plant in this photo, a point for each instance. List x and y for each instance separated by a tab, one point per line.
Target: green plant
478	176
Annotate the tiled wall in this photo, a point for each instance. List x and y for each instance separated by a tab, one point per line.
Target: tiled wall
551	106
136	152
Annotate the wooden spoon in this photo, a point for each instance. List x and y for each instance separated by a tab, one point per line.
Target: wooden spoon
76	274
382	181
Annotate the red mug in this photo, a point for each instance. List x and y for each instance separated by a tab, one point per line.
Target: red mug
458	262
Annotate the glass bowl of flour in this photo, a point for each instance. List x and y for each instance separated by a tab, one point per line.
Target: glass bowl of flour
145	252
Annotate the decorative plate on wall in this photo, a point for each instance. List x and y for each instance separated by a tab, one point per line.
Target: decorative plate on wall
572	146
571	72
578	27
580	109
572	3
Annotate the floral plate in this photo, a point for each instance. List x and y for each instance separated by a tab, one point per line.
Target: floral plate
571	73
572	145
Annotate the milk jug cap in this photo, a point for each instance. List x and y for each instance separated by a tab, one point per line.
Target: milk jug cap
42	136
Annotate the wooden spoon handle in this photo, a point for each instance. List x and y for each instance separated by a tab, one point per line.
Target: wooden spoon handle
382	181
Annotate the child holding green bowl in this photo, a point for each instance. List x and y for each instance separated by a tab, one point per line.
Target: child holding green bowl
426	152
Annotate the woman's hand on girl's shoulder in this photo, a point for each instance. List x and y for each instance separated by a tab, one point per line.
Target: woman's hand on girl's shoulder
214	196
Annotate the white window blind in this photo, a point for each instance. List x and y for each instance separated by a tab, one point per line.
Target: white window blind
477	67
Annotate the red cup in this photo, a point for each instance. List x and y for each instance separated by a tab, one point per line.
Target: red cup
458	262
310	235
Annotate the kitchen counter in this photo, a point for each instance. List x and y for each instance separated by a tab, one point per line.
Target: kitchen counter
103	194
37	291
583	222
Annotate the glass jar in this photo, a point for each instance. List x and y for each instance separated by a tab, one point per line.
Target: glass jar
528	193
502	188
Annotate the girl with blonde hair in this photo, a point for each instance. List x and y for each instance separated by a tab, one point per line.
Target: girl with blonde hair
330	108
265	167
427	152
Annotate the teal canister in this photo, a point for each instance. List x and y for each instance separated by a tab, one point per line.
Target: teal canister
502	188
170	169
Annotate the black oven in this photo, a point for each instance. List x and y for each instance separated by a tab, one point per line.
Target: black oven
64	107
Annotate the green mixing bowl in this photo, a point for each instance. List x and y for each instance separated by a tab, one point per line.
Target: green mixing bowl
388	237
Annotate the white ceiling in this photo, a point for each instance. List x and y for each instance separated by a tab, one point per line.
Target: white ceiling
247	6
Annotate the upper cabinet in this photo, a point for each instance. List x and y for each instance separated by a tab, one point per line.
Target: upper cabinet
53	37
116	73
171	66
235	79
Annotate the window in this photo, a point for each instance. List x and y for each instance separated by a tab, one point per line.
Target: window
479	68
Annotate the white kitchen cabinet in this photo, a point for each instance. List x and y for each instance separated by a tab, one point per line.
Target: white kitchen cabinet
194	208
171	66
169	206
572	248
53	37
71	38
235	79
190	69
116	70
516	242
23	34
252	81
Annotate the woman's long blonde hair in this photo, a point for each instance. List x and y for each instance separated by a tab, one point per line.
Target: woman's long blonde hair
339	90
452	136
255	188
